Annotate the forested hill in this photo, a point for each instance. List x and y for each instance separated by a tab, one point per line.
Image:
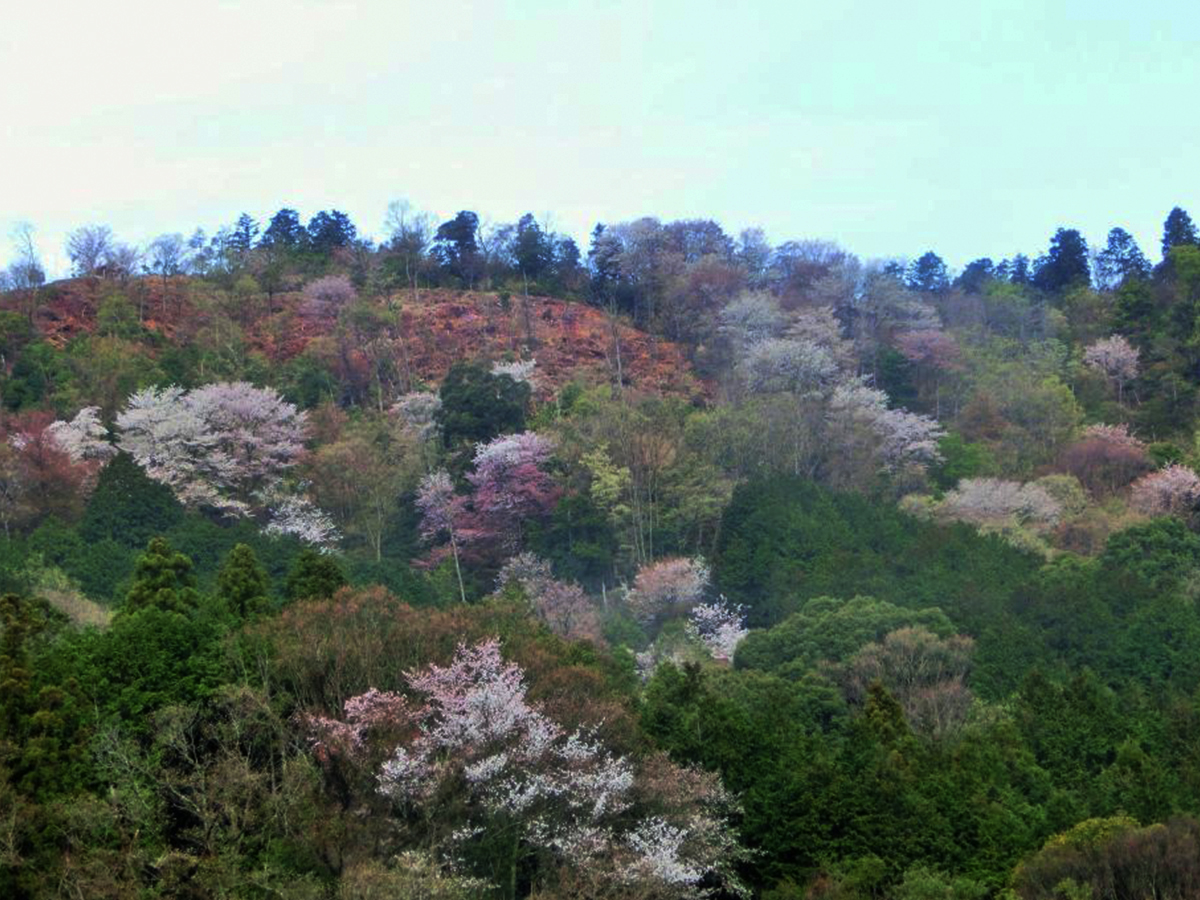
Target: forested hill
468	564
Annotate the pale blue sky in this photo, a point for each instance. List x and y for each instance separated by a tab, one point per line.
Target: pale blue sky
973	128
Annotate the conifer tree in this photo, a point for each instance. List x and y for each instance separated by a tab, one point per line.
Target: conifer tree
242	584
163	580
314	576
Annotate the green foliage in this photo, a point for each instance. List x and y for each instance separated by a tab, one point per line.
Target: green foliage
242	584
162	580
477	405
127	507
314	575
829	629
785	541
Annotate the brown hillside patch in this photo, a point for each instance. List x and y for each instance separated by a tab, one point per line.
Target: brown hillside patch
434	330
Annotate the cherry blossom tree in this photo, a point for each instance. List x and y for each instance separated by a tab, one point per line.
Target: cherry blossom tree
522	370
1173	491
517	775
565	608
985	501
719	627
326	296
1116	359
787	364
303	519
511	486
440	509
667	588
750	318
83	437
902	438
221	446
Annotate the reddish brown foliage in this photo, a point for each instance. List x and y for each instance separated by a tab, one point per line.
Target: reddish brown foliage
440	328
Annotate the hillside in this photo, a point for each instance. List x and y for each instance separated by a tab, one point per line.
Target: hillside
427	332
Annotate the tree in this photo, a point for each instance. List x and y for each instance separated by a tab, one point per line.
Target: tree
928	274
241	238
222	445
409	236
327	296
526	787
565	608
1106	458
456	246
314	576
1121	259
327	231
975	275
439	510
89	248
1173	491
167	255
361	478
284	231
532	250
242	584
39	477
162	580
128	507
511	488
477	405
1066	263
1116	359
668	588
925	673
1178	230
25	273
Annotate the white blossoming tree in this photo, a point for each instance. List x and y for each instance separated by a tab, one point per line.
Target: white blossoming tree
1116	359
499	773
226	446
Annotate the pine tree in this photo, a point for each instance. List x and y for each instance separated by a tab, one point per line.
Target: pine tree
162	580
1179	230
1065	264
242	584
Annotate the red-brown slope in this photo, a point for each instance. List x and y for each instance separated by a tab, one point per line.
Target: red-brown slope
430	332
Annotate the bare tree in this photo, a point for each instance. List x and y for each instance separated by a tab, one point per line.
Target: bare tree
166	256
25	273
89	248
410	233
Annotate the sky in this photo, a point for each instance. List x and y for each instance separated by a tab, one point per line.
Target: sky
973	129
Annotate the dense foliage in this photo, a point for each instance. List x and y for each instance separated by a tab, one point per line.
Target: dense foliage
468	564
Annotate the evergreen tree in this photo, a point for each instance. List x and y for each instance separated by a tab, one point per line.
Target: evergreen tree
532	249
1065	264
1019	270
162	580
242	584
928	274
314	576
477	405
241	239
1178	230
128	506
1121	258
329	230
456	246
284	231
975	275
